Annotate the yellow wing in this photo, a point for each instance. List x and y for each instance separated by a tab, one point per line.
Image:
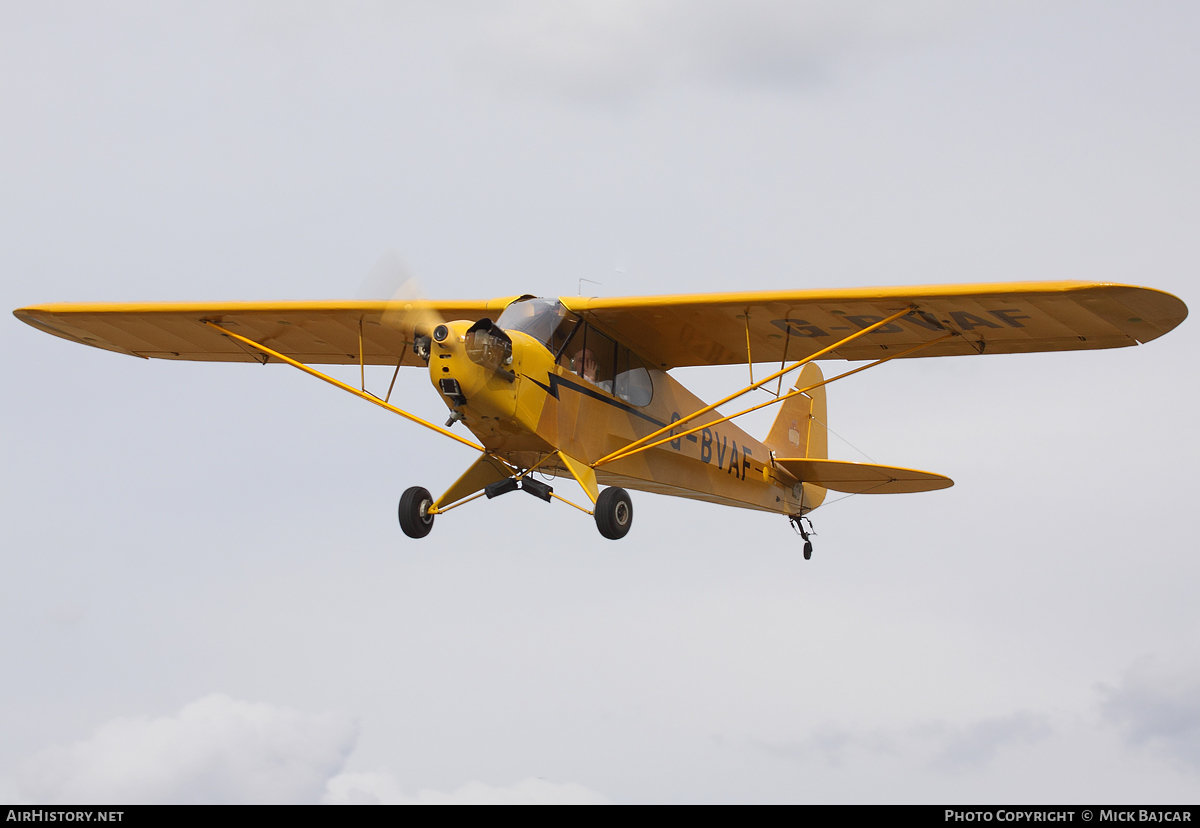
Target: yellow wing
1014	317
671	331
310	332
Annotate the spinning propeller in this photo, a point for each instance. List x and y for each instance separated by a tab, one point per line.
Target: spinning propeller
406	309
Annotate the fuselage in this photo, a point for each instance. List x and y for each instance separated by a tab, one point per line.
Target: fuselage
523	401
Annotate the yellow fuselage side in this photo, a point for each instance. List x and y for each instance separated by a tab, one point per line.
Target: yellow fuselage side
540	407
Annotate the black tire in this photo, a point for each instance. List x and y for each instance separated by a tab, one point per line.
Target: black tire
807	550
614	513
414	519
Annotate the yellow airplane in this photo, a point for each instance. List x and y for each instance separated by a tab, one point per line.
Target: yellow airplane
579	387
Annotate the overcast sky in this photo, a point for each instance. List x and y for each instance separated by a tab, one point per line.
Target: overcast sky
207	596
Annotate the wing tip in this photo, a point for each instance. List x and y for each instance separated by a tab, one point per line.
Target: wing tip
29	315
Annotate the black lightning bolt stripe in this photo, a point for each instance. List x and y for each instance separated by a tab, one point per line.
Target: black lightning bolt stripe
556	381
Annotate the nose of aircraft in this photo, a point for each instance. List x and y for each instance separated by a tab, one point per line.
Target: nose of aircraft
469	366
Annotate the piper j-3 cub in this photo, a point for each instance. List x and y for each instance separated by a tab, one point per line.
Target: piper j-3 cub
581	388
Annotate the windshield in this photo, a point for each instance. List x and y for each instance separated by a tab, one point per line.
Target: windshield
546	320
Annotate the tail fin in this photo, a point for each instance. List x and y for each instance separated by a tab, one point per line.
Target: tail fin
799	429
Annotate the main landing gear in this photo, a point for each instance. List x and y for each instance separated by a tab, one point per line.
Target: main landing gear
614	513
798	522
415	519
613	510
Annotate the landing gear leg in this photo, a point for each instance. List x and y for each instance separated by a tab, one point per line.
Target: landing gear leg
798	524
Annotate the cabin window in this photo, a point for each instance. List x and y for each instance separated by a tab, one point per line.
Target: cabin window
592	356
596	358
633	380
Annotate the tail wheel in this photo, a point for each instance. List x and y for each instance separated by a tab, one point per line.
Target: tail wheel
614	513
415	519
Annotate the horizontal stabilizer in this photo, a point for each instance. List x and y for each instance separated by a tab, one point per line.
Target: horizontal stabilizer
862	478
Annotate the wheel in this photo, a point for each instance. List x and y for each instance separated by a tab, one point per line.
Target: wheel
614	513
415	519
807	550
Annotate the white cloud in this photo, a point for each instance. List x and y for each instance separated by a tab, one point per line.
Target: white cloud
975	746
619	49
222	750
215	750
381	788
942	745
832	745
1159	707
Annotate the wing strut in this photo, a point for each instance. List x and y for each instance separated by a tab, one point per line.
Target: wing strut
749	356
673	436
395	374
629	449
787	340
366	395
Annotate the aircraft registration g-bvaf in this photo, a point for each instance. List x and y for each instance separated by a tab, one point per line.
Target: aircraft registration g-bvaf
581	387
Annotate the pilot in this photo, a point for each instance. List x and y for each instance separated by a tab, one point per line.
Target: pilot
584	364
